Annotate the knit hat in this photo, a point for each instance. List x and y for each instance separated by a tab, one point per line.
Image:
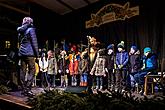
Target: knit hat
147	49
121	45
110	46
134	47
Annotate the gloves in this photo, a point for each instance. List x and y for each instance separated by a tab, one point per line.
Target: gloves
59	71
106	70
91	73
67	71
113	70
120	66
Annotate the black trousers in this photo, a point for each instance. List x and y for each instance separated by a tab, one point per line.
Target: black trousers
27	66
110	79
121	78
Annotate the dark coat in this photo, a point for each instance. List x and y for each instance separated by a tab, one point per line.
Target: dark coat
134	62
28	41
110	62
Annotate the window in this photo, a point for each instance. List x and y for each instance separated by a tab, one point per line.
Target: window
7	44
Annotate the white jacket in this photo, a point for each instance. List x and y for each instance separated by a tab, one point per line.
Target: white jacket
43	64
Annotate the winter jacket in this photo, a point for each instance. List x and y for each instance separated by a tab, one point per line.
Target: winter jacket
73	64
52	66
27	40
150	62
43	64
83	66
134	62
122	59
99	66
110	62
62	65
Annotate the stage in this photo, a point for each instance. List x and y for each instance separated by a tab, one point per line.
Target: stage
18	101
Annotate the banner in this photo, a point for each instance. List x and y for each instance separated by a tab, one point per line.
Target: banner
110	13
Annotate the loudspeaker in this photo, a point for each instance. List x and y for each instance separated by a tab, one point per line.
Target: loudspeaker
78	90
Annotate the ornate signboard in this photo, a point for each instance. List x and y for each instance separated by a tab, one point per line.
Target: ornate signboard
112	12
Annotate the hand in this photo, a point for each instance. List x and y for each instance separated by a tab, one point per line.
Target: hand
113	70
67	71
120	66
63	53
91	73
142	68
59	71
104	75
106	70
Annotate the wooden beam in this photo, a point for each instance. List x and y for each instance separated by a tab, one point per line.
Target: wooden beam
68	6
15	9
87	1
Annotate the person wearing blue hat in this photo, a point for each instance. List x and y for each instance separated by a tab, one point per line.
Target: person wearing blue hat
150	64
110	81
121	67
134	65
147	50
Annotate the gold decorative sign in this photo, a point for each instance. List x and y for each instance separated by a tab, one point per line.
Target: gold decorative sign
112	12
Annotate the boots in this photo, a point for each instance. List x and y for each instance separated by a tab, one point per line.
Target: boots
141	92
85	83
97	87
62	81
81	83
101	88
66	81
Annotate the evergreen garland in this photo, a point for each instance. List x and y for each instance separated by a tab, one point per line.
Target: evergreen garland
3	89
55	100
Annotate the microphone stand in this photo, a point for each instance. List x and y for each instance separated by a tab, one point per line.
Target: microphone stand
54	60
63	65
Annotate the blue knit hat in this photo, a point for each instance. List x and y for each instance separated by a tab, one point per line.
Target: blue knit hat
134	47
110	46
147	49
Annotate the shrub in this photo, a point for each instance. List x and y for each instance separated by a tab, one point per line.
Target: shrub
3	89
51	100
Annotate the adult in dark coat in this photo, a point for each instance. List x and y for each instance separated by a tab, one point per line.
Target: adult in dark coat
28	51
